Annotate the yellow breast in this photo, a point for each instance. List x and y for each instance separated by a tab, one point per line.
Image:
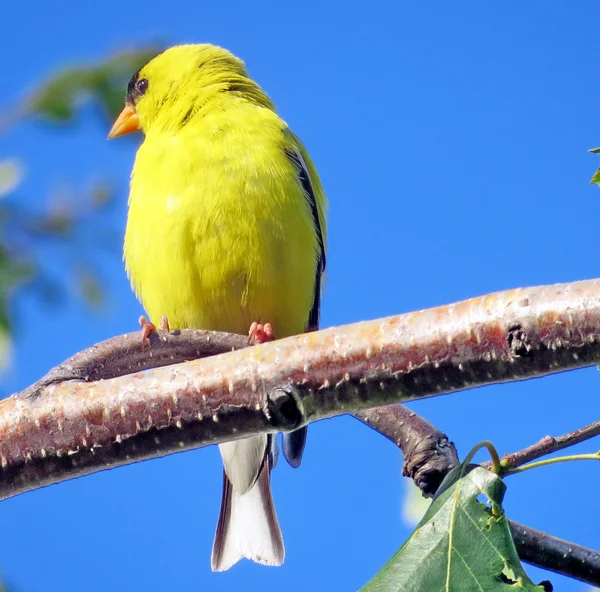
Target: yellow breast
219	232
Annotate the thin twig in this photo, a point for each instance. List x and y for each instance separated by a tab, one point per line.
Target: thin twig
548	445
548	552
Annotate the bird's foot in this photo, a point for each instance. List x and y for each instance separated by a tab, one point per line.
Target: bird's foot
164	324
147	328
260	333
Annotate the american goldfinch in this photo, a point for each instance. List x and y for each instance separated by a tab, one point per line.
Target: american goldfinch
226	231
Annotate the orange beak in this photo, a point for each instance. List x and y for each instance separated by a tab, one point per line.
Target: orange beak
127	122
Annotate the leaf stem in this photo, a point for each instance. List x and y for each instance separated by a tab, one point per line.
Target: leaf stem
496	464
551	461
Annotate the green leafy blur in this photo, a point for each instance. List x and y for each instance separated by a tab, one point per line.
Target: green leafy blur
57	100
60	220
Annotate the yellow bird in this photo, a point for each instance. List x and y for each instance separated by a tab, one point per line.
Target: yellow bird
226	230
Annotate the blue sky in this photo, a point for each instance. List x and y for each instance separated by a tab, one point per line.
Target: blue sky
452	141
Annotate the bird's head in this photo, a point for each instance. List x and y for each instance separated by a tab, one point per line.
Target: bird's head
181	83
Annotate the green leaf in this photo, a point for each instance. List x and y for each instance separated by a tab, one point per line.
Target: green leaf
105	83
460	545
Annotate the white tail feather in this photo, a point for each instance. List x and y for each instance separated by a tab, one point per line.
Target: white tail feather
248	526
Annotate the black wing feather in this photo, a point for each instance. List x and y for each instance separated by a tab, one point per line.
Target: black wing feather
296	158
294	442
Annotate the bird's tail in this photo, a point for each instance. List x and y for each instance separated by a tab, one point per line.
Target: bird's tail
248	525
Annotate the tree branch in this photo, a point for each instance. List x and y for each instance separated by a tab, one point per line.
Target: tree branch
545	551
65	427
69	424
429	456
123	355
548	445
428	453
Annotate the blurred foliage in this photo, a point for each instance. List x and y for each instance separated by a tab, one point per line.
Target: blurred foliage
104	83
69	219
11	174
414	505
596	177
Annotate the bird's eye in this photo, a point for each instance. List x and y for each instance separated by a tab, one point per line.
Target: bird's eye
141	86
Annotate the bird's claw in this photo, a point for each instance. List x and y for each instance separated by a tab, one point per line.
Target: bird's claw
147	328
260	333
164	324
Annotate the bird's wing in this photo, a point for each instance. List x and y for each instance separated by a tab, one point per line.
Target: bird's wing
315	196
294	442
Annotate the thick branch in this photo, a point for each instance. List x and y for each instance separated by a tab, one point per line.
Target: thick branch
66	429
506	336
428	453
123	355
